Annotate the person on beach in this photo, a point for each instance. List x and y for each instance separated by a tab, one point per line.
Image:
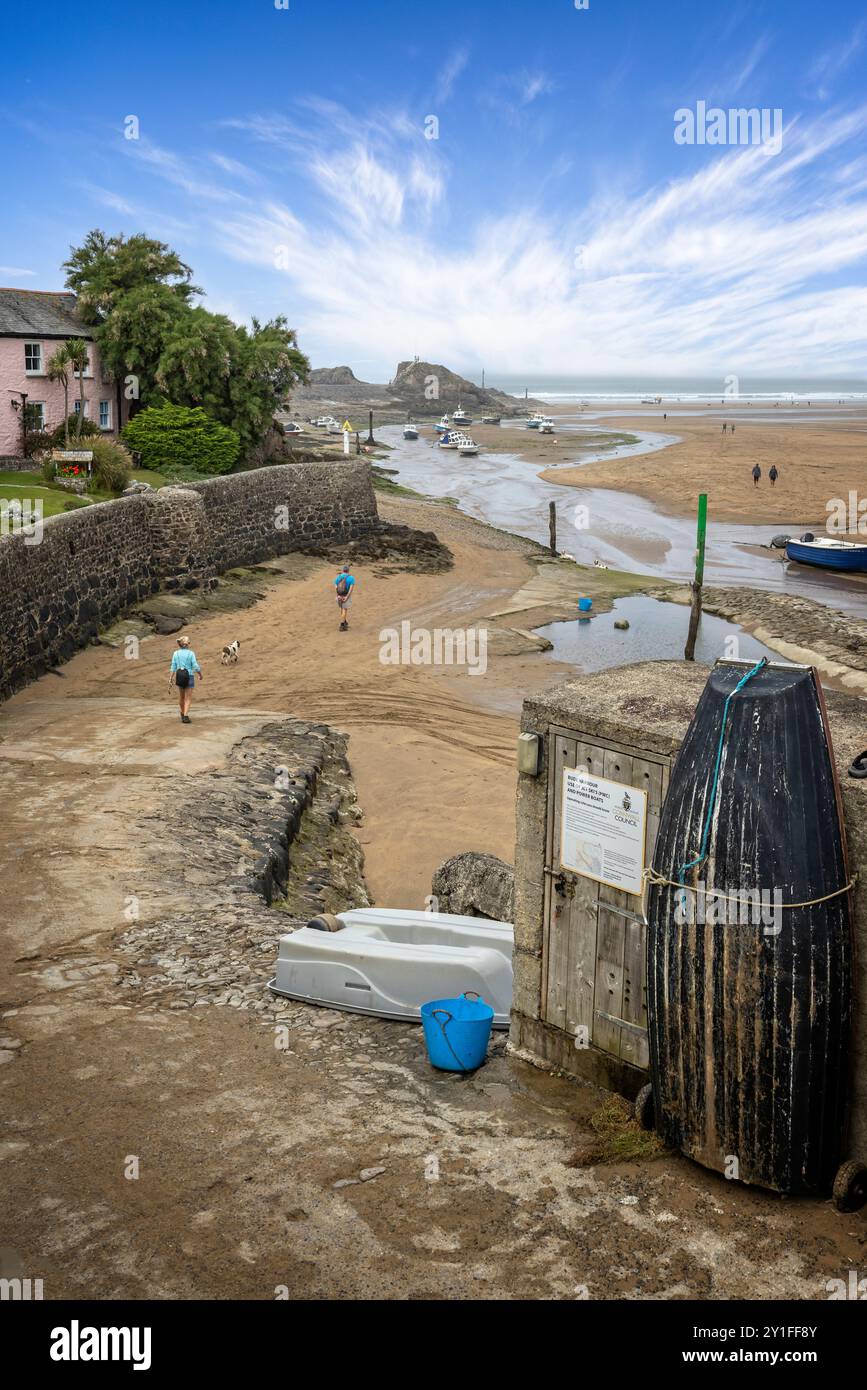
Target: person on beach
724	429
773	475
757	473
183	674
733	429
344	585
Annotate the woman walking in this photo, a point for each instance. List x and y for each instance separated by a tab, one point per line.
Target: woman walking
183	674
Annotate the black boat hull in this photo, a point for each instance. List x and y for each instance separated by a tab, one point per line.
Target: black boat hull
749	1020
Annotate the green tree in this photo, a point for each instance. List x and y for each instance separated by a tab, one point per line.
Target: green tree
57	369
137	295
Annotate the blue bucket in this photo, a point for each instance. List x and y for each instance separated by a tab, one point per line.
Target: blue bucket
456	1032
585	604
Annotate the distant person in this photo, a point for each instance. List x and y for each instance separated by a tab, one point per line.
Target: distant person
773	475
724	428
183	674
757	473
344	585
733	429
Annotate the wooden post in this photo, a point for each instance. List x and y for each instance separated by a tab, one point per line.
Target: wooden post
552	527
695	613
370	431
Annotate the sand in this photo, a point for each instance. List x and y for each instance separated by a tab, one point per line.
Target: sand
819	454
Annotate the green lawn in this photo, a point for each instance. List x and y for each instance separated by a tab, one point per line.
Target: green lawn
32	487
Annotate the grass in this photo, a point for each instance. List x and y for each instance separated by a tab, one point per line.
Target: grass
32	487
384	484
617	1136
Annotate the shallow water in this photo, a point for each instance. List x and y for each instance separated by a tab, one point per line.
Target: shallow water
657	632
622	530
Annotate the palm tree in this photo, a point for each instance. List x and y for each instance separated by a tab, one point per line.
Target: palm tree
57	369
79	353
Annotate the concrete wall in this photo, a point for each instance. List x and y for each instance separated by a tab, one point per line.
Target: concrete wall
92	563
649	707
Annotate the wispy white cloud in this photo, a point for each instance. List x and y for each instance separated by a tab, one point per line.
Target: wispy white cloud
739	264
449	74
16	272
833	61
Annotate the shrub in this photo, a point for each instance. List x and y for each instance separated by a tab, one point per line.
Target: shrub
89	430
172	437
112	465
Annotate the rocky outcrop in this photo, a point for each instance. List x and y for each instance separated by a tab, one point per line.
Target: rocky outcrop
476	885
417	388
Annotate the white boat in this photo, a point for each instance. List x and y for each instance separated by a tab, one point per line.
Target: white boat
456	439
546	427
443	425
535	420
333	427
410	431
324	421
460	416
651	400
388	962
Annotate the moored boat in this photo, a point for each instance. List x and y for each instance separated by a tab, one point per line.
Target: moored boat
546	427
410	431
749	962
535	420
828	552
467	446
460	416
491	419
443	426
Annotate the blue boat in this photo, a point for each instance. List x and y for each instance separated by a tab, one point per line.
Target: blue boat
828	553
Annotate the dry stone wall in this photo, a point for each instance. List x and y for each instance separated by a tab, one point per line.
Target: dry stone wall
58	590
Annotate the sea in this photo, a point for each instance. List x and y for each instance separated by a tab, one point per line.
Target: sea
563	390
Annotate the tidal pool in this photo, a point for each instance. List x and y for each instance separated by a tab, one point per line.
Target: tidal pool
656	632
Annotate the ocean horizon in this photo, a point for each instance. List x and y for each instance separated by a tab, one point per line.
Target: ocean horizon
709	389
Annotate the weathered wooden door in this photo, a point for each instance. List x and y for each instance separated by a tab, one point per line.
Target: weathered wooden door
594	940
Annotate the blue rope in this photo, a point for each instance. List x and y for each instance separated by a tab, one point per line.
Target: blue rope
702	854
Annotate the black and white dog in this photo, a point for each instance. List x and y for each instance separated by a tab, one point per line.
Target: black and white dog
230	654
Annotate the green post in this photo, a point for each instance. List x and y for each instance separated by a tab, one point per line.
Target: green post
695	613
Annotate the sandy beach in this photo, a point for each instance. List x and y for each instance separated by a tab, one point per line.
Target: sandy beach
818	453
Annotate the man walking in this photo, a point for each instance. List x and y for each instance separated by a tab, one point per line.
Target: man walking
757	473
344	585
773	475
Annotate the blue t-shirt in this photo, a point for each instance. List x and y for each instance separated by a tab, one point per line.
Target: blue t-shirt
184	659
350	584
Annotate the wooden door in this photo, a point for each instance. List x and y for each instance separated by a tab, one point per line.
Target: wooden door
594	938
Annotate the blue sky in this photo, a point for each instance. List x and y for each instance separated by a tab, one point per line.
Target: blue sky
554	224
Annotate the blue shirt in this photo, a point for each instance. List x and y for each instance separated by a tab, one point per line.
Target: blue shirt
184	659
350	583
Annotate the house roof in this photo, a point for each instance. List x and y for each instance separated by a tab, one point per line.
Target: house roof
40	314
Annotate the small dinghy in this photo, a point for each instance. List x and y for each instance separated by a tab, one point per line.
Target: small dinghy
410	430
388	962
827	552
749	964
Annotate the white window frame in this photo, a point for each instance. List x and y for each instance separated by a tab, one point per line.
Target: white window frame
29	347
107	425
76	407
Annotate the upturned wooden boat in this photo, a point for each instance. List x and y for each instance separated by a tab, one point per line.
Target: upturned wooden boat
749	1019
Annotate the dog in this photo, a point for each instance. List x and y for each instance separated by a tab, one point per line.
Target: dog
230	653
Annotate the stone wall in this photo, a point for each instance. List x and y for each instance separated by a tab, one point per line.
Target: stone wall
648	708
57	591
475	885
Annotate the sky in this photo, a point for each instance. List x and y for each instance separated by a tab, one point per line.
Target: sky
514	185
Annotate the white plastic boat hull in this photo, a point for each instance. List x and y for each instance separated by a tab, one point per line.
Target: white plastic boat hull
388	962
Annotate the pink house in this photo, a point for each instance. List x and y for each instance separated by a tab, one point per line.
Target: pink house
33	324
